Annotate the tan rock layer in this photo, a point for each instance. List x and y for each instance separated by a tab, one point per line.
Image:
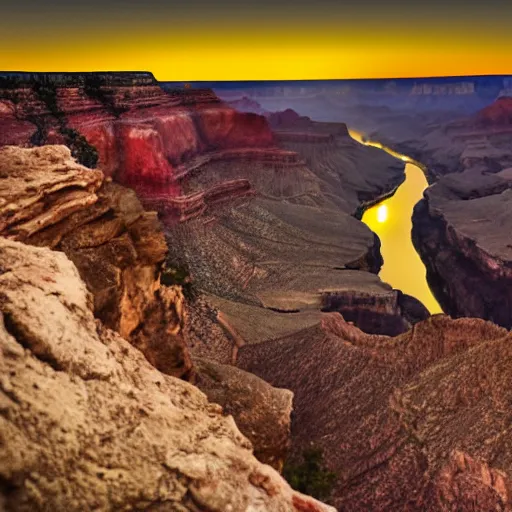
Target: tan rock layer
117	247
86	423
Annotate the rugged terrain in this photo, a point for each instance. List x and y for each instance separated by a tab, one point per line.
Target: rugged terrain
461	227
235	289
87	423
416	422
245	198
48	199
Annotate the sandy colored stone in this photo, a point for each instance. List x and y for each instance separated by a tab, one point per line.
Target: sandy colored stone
86	423
260	411
117	246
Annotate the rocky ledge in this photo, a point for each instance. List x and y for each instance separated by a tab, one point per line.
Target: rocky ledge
87	423
462	229
415	422
48	199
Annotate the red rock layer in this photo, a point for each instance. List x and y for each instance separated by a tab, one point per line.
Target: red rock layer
498	113
143	135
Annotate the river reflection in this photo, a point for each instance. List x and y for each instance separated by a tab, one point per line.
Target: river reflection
391	220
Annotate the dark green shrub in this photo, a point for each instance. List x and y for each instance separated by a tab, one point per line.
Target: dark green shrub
179	275
83	151
309	476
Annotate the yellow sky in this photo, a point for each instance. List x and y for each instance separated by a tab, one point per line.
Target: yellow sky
202	52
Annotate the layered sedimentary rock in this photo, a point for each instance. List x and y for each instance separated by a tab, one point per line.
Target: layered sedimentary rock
136	132
87	423
191	157
462	231
47	199
296	245
415	422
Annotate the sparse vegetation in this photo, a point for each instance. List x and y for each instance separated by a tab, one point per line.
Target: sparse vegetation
85	153
48	95
179	275
310	476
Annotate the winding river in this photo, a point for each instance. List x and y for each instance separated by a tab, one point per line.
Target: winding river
391	220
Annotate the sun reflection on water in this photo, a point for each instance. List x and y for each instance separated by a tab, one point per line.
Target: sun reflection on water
391	220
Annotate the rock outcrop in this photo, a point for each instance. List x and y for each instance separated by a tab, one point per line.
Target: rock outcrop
461	230
47	199
261	411
86	423
137	133
416	422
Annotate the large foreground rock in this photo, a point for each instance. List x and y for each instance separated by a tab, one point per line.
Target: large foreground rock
86	423
416	422
48	199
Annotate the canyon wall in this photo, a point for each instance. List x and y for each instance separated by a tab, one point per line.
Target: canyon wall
48	199
414	422
461	226
135	132
87	423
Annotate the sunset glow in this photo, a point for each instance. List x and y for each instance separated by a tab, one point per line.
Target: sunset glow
273	46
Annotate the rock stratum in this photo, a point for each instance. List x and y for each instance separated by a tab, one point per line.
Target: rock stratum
229	186
461	227
48	199
244	197
415	422
87	423
155	363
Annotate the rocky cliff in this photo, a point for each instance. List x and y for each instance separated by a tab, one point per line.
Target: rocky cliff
139	133
460	228
48	199
87	423
416	422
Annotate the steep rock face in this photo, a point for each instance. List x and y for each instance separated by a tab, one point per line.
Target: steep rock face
461	230
415	422
296	242
261	412
88	424
140	132
47	199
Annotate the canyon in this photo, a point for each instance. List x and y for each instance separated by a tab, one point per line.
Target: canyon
194	275
465	149
460	227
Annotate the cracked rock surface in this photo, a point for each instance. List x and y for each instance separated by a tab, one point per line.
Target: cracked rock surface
86	423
